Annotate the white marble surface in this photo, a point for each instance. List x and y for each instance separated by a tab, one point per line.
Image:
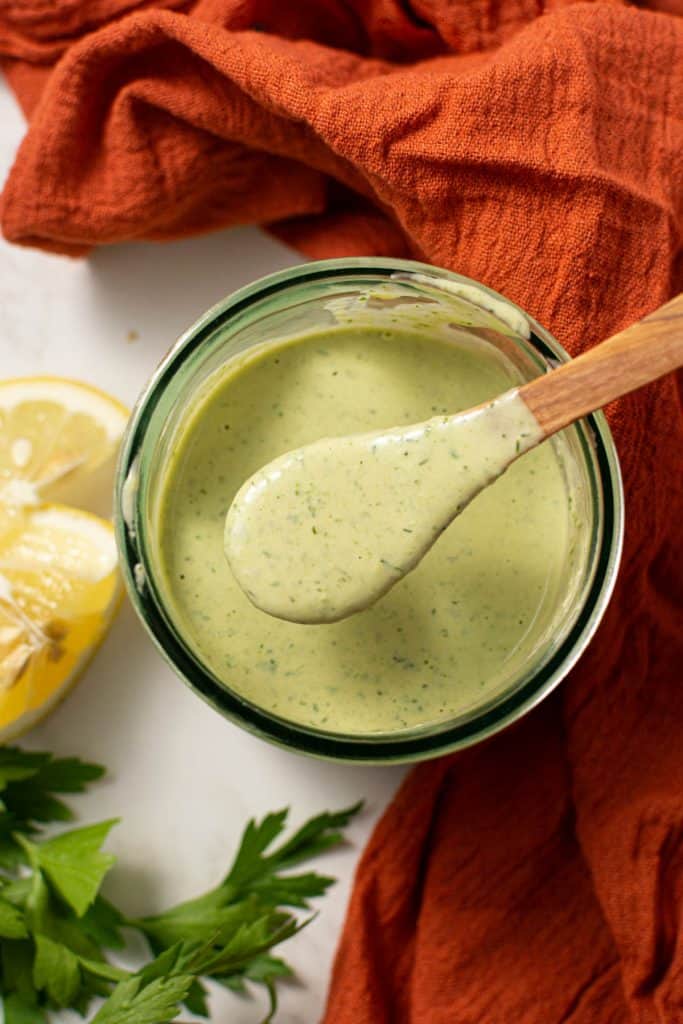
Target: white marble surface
183	780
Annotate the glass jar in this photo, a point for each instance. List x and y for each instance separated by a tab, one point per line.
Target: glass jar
359	292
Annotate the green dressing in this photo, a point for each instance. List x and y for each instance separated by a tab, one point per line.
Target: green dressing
451	634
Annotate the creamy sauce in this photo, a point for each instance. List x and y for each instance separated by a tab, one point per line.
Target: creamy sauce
449	636
324	531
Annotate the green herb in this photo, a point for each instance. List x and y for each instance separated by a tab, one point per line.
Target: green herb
56	928
393	568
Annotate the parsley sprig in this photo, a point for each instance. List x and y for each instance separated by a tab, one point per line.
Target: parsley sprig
56	929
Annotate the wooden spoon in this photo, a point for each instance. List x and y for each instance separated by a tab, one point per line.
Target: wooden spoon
636	356
325	530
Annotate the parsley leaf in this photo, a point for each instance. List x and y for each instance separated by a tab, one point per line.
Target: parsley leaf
102	923
317	835
12	924
73	862
17	969
266	970
33	800
16	764
57	970
195	1000
137	1002
21	1011
28	783
55	925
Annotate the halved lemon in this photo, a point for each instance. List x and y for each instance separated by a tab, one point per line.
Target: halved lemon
59	584
59	440
59	589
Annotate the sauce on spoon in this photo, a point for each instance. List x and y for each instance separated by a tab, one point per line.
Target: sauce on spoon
325	530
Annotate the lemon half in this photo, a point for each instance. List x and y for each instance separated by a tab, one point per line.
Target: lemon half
58	443
59	583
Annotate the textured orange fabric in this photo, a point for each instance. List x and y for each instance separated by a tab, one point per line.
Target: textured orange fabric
537	879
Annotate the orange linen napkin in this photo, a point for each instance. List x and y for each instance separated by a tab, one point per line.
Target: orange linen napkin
537	879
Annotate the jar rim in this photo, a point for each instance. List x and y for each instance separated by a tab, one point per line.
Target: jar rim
382	749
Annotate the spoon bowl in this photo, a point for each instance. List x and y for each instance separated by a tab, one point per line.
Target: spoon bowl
324	531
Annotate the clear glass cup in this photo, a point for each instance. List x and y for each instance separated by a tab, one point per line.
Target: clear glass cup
351	291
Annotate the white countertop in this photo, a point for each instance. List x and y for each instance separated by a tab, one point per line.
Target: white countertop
183	780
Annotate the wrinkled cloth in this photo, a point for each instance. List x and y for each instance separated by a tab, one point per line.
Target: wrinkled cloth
538	147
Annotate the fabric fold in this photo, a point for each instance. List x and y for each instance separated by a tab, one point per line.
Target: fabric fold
536	879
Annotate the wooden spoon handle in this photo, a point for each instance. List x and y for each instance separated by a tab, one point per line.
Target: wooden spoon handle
635	356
